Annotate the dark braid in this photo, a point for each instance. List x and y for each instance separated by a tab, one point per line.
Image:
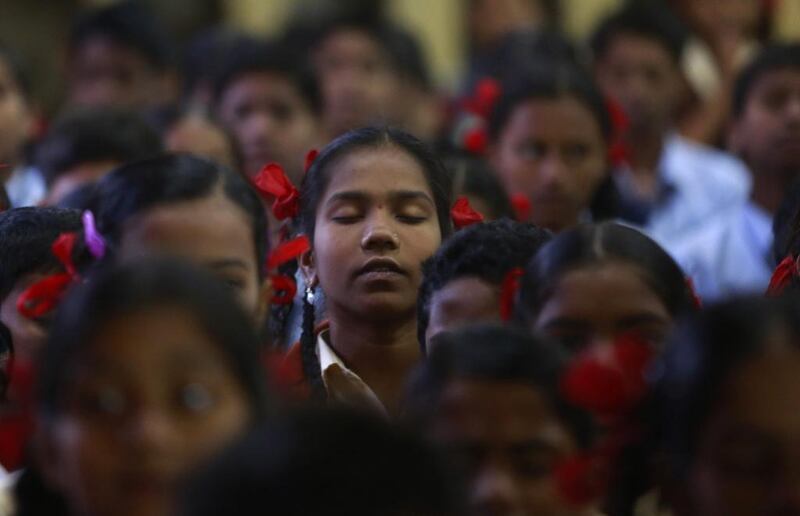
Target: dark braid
308	353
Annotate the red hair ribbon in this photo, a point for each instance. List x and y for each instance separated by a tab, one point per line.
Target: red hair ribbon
486	93
619	152
582	478
522	207
696	301
286	251
609	381
16	424
44	295
463	215
285	289
508	292
310	157
273	185
476	140
782	277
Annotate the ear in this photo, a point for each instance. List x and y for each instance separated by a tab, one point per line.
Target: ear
308	267
264	300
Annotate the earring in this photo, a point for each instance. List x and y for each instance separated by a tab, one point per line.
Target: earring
310	294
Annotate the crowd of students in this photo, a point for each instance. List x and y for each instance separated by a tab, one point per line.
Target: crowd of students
308	282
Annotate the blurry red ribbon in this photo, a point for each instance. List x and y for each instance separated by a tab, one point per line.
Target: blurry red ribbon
310	157
696	301
782	277
286	251
44	295
476	140
463	215
609	381
17	421
522	207
273	184
485	95
582	478
285	289
508	292
618	150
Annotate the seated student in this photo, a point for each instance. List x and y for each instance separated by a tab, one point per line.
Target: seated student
374	206
731	254
83	145
361	70
489	396
327	462
190	207
669	185
119	55
27	235
597	282
725	419
22	184
474	179
270	104
462	283
151	368
549	135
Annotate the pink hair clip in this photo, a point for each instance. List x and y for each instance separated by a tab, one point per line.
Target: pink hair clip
94	241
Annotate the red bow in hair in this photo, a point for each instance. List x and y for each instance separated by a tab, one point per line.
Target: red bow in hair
696	301
44	295
310	157
508	292
582	478
476	140
486	93
285	287
618	151
522	207
782	277
273	185
463	215
16	425
609	381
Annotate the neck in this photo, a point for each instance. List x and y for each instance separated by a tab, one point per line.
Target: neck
769	190
381	353
646	146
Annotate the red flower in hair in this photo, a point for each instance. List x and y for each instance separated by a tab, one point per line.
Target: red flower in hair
310	157
285	289
286	251
522	207
463	215
273	185
508	292
608	381
476	141
782	277
486	93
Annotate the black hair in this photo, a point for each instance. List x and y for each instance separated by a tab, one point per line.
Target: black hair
590	245
18	69
557	82
353	464
89	135
128	24
647	19
494	353
315	184
770	59
704	353
27	235
171	178
6	350
488	251
786	225
473	177
126	288
249	55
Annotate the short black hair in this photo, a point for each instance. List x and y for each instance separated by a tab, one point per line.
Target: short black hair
324	462
770	59
487	251
27	235
647	19
494	353
93	134
250	55
128	24
565	80
136	187
18	69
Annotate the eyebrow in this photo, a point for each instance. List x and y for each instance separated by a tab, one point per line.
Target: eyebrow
226	263
566	322
394	196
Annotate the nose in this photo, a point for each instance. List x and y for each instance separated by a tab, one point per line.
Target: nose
552	171
259	127
494	492
379	235
151	432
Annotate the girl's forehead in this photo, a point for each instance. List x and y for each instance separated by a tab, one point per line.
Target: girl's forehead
376	171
